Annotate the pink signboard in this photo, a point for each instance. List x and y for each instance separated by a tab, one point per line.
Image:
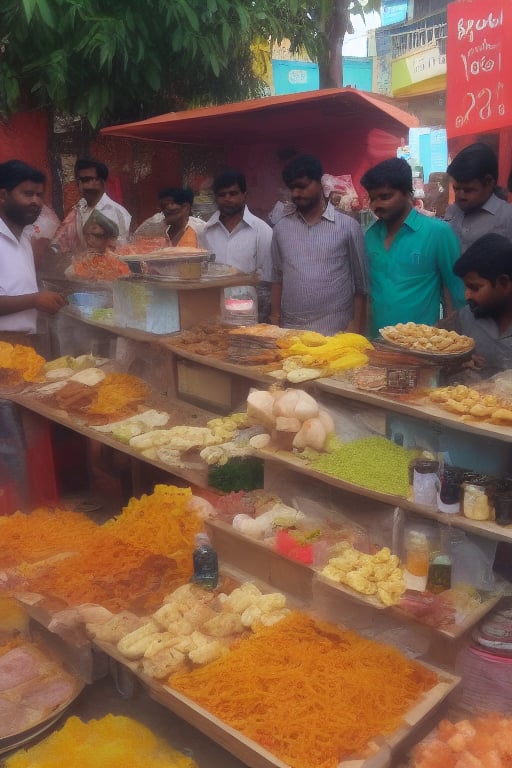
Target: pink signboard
479	66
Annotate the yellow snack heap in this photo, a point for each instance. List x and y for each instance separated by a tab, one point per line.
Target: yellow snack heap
111	742
327	353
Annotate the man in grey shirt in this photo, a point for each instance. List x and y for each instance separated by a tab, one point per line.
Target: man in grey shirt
486	269
477	210
319	269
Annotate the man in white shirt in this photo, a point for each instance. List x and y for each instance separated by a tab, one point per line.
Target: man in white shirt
238	237
91	176
21	201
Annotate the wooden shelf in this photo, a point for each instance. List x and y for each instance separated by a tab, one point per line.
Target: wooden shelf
488	529
188	415
424	409
252	372
254	755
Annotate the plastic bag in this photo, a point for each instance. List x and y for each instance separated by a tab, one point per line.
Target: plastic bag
341	192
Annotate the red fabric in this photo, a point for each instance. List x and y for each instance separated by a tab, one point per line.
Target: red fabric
479	62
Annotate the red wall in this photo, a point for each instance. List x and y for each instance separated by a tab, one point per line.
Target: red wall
25	137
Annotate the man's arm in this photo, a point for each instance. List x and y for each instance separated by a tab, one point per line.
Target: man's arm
448	251
359	321
44	301
275	303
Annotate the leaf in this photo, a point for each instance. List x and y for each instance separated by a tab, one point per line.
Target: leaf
45	13
226	35
29	7
190	14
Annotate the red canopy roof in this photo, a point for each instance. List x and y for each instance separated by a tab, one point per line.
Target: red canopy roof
271	118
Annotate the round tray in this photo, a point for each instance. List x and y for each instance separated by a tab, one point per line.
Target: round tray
16	740
434	357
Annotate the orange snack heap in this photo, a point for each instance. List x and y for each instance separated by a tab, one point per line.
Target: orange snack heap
104	267
308	691
160	523
483	742
134	560
111	573
24	360
117	393
42	534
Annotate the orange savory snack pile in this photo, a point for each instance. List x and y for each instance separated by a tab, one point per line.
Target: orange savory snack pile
116	393
160	522
111	573
134	560
23	359
41	534
106	267
308	691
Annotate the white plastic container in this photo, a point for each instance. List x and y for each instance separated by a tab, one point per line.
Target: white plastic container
239	305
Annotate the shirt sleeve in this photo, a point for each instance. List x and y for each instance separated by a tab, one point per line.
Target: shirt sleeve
277	273
358	259
263	255
448	251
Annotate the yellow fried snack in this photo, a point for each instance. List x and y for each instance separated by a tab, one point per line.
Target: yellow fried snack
379	574
426	338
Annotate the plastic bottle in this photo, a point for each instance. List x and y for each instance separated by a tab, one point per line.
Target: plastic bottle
440	568
206	564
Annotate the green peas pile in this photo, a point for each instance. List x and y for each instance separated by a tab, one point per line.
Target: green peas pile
372	462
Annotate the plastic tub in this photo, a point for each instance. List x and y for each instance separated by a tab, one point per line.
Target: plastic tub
86	302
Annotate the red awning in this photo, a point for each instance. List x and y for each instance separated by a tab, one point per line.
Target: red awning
271	118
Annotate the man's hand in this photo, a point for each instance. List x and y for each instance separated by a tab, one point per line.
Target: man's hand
49	302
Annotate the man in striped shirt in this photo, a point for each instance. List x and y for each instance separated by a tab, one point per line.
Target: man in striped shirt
319	275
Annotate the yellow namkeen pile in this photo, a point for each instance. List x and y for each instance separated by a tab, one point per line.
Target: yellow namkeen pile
308	691
112	742
135	559
21	360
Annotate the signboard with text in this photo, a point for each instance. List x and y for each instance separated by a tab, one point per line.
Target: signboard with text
479	93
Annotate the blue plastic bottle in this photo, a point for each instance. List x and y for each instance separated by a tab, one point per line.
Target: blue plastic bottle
206	564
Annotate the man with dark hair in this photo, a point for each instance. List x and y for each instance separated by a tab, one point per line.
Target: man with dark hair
173	221
21	201
91	176
477	209
237	237
486	269
319	264
410	256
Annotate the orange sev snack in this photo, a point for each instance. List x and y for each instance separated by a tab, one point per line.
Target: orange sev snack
41	534
308	691
22	359
161	523
117	393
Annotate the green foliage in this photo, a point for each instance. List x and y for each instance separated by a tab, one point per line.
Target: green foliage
116	60
113	60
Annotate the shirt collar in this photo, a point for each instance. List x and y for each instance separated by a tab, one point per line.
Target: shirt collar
413	221
492	204
214	219
329	212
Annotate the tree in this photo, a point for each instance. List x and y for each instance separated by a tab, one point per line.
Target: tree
108	61
333	18
123	59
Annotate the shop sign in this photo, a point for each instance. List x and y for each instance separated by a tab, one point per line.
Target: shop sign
479	93
294	76
417	67
393	11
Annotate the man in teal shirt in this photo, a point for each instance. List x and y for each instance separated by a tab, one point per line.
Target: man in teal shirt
411	256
